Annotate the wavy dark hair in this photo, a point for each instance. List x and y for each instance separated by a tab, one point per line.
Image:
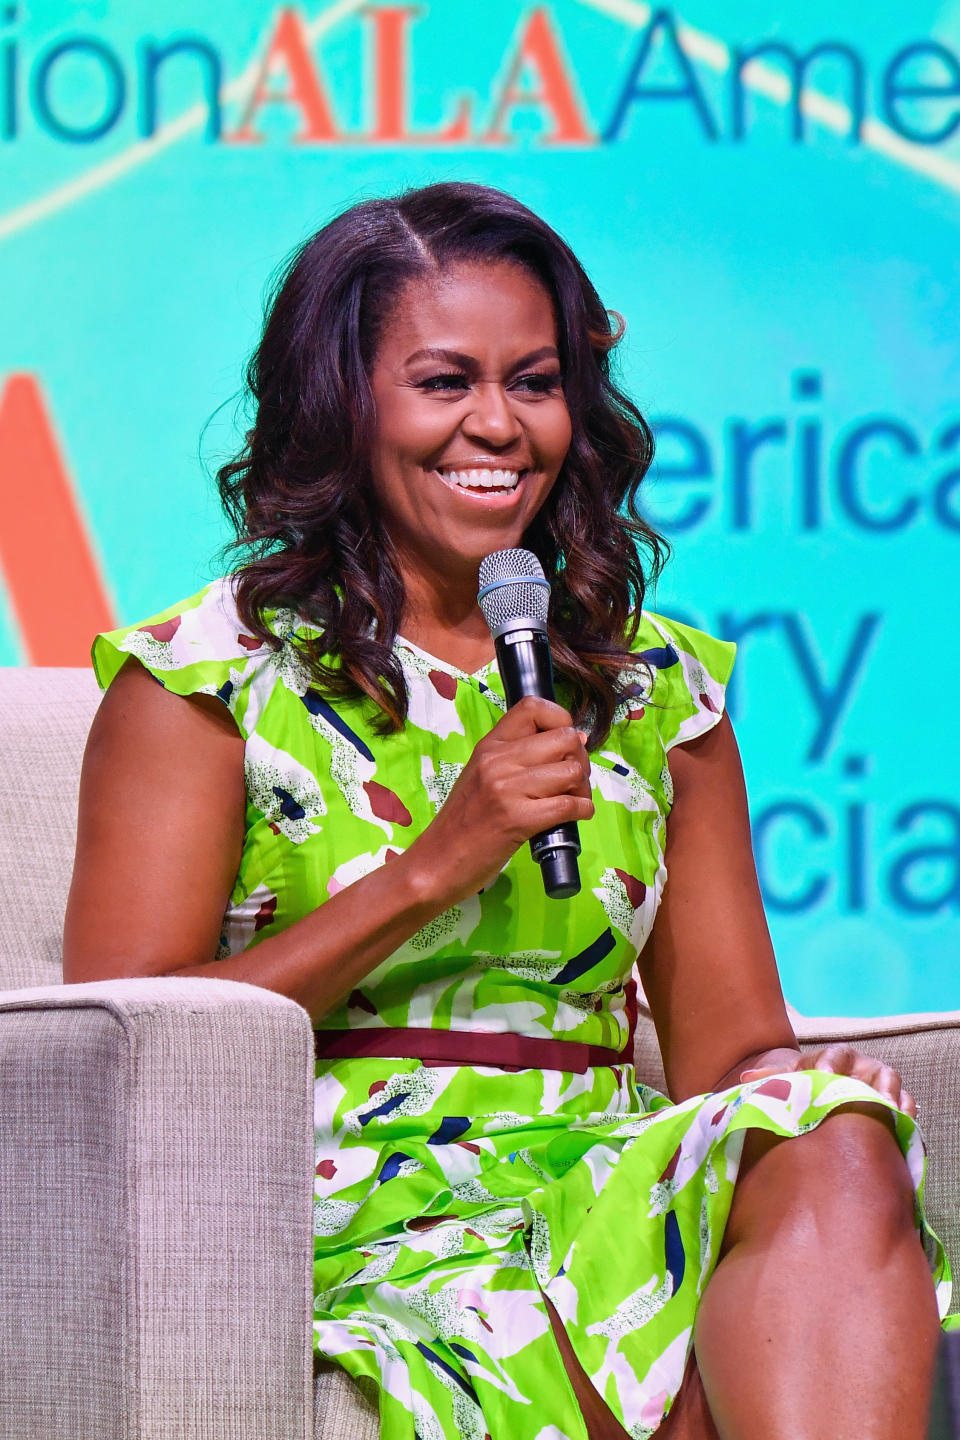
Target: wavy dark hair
299	493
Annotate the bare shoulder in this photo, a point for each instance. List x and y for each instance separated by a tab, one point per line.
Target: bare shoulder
137	708
712	759
159	834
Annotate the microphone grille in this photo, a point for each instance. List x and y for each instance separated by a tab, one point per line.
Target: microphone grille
513	587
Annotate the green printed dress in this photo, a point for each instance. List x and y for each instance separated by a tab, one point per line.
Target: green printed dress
450	1199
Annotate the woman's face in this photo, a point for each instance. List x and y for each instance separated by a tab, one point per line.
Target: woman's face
471	422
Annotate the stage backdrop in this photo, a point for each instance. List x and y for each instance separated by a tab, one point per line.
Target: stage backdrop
769	193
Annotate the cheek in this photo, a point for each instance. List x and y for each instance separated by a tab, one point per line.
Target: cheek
561	432
410	433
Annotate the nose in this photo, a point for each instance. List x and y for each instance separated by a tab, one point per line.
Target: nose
491	416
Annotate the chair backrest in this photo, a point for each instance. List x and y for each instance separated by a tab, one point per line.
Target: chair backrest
44	718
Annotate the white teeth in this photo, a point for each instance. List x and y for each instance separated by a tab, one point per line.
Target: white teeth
481	479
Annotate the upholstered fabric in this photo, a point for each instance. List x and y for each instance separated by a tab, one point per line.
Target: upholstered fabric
44	718
156	1160
342	1411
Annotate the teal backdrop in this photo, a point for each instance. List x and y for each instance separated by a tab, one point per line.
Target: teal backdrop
769	194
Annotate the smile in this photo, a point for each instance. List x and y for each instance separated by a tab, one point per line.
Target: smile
483	483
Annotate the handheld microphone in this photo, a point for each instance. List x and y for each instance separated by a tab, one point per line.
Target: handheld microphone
514	597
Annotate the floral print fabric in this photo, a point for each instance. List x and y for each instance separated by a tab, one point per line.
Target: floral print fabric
450	1199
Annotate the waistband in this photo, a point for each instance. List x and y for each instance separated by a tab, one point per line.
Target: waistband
465	1047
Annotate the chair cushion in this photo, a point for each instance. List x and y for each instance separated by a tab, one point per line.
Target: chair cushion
44	718
343	1410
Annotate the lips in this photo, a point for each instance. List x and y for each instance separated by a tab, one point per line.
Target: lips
481	481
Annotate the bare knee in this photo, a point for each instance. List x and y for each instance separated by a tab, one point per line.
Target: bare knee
847	1177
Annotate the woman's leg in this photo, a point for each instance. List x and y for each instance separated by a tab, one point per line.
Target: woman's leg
598	1417
820	1320
689	1419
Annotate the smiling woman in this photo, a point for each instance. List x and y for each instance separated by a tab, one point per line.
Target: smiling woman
515	1240
405	345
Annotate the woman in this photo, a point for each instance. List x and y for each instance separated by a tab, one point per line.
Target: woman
514	1238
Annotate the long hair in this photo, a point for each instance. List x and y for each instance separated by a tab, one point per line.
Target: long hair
299	493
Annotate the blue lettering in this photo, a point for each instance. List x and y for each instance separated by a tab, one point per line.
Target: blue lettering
856	856
744	442
893	92
696	464
942	861
688	89
829	699
153	56
807	386
818	884
115	97
730	628
8	79
847	473
948	486
797	65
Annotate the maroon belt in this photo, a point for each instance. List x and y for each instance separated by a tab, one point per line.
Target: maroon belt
464	1047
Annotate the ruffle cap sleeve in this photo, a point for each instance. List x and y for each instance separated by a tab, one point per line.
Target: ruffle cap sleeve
689	670
197	647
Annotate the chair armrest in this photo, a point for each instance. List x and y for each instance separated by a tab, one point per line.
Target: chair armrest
156	1181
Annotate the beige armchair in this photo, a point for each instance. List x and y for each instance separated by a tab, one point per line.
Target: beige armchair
156	1154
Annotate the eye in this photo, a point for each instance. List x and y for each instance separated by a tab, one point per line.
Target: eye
442	382
540	382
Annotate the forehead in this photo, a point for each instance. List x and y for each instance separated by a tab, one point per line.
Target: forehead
481	309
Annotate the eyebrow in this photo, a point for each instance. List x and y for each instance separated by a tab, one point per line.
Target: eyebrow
467	362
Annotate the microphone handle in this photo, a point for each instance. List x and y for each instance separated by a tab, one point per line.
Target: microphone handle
523	656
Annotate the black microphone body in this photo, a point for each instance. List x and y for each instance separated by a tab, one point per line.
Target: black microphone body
523	656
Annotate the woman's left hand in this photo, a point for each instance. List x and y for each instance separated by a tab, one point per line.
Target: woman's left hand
840	1060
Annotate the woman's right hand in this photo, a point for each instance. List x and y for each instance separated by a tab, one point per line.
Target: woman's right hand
530	773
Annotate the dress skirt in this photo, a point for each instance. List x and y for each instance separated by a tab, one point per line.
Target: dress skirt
451	1200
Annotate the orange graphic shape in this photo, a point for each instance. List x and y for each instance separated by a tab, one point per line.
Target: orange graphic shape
54	584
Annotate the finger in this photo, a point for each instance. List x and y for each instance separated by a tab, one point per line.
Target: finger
555	810
844	1060
546	746
565	777
838	1059
887	1082
531	714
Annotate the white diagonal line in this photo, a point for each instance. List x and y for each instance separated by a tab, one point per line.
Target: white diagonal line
765	80
99	176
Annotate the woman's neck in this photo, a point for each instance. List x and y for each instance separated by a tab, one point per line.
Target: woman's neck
446	622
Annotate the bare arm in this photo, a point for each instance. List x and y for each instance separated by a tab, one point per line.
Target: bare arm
161	830
708	968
